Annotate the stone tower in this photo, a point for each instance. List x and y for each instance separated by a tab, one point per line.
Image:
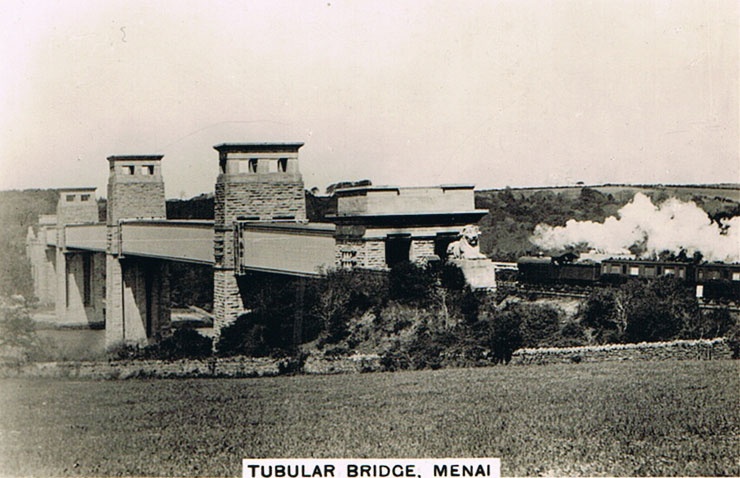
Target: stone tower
137	289
135	188
76	272
77	206
256	182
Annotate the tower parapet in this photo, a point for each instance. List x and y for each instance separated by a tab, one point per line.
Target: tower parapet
135	188
77	206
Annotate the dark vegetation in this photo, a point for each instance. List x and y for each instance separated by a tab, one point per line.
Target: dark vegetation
653	310
18	211
426	317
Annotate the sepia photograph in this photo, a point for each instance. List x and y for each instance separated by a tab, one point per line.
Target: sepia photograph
369	239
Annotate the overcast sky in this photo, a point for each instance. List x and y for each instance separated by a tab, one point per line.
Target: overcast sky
494	93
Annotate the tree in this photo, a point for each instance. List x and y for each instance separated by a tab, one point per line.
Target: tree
18	338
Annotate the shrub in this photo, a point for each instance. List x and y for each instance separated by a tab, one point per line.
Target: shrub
255	335
184	343
710	324
410	283
599	312
642	311
504	334
659	309
18	338
425	350
540	324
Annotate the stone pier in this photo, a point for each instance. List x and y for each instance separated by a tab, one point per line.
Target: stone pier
137	289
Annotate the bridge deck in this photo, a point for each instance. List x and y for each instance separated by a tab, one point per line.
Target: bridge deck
286	248
280	247
176	240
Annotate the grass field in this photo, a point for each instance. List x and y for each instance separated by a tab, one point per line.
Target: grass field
667	418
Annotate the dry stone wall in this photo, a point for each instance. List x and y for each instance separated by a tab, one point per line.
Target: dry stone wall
702	349
239	367
231	368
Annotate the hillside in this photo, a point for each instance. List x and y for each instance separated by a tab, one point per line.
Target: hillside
514	213
18	211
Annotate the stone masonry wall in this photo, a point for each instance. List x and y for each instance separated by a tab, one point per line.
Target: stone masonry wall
135	200
238	367
77	212
227	300
675	350
349	253
362	253
262	200
421	250
223	247
375	255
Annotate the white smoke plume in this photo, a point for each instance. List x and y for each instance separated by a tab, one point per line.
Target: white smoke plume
673	226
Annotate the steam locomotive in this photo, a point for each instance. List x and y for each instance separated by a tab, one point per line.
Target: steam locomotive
713	280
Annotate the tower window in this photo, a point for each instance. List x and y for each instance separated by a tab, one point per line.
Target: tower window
70	197
147	170
130	170
282	165
253	165
84	197
272	166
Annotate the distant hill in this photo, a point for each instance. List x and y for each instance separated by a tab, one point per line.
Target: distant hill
685	192
514	212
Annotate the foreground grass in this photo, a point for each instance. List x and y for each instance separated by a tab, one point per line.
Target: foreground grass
668	418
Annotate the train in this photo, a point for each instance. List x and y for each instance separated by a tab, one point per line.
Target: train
713	280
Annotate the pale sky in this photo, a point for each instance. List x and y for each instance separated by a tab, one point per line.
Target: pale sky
493	93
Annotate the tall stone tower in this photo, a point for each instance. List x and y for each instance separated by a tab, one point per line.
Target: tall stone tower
75	271
256	182
77	206
135	188
137	289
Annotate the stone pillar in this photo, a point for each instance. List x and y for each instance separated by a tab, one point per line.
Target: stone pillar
139	302
60	302
256	182
114	325
42	259
137	290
